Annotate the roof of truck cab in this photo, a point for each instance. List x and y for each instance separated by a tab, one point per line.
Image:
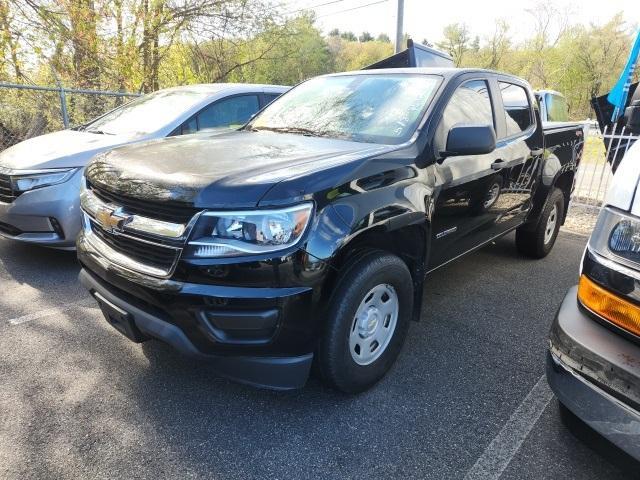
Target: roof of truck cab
446	72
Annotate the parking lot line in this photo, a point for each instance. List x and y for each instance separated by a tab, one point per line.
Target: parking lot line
49	312
499	453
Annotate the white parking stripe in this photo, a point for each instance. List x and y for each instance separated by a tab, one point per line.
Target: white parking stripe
499	453
49	312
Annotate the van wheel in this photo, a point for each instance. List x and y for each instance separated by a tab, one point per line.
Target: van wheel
538	242
367	321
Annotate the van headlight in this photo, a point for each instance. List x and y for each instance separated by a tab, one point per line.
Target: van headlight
23	181
244	233
617	236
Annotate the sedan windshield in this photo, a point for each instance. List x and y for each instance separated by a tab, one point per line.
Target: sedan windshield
375	108
146	114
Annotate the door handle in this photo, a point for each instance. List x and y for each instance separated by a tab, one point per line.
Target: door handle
498	165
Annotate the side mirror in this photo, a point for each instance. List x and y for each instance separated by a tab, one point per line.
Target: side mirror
465	139
632	116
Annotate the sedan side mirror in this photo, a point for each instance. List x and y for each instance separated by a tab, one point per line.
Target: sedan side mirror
465	139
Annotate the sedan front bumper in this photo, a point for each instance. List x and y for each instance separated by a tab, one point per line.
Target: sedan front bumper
31	217
595	373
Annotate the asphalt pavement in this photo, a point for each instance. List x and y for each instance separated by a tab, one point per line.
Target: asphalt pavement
467	397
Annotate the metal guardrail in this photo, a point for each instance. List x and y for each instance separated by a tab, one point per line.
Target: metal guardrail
30	110
595	171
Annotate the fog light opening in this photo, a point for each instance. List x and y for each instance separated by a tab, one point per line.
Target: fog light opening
57	228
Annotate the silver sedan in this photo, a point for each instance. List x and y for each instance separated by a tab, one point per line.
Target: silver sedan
40	177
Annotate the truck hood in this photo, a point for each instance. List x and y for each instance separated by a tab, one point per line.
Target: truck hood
218	171
63	149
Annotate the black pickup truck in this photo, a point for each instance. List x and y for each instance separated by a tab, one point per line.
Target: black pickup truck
305	236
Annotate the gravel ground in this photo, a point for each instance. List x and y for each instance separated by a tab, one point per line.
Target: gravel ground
581	219
78	400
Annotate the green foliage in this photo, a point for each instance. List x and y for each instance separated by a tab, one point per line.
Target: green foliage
143	45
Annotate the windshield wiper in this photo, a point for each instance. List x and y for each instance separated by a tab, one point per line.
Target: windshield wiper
99	132
298	130
305	131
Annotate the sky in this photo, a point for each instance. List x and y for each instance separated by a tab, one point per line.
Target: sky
426	19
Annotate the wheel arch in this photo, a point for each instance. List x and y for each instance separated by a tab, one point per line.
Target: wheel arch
564	182
408	242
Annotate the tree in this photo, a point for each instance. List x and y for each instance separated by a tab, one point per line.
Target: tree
455	42
497	46
349	36
384	38
334	33
355	55
8	43
365	37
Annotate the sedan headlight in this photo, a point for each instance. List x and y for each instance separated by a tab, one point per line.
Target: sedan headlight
232	234
617	236
30	180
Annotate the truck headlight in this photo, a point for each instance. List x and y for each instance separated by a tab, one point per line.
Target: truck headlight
232	234
617	236
32	179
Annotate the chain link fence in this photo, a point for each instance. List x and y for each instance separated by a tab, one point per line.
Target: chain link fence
29	110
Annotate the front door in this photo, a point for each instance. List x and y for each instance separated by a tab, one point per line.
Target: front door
468	188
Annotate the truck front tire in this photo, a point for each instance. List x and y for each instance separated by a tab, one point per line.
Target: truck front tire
538	242
366	323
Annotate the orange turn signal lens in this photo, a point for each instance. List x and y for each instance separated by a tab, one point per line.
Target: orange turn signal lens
609	306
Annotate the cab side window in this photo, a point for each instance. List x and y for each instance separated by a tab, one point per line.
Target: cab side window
470	104
517	108
231	112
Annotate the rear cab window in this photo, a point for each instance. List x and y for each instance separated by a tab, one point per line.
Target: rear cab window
518	113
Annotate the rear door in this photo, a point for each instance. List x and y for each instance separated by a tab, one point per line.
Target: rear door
520	139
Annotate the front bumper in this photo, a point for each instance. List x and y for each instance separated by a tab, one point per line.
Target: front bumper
595	373
276	372
28	218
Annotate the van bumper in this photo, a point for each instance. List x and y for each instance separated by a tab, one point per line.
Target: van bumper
595	373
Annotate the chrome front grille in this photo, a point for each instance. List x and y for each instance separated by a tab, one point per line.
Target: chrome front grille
147	253
144	244
7	194
169	211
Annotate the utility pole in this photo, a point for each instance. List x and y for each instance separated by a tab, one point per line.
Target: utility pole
399	32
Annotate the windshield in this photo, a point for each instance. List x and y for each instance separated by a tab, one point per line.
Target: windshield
379	108
145	114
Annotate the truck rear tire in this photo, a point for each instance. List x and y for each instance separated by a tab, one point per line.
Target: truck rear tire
367	319
538	242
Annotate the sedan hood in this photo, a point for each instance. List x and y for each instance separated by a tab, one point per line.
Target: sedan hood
218	171
63	149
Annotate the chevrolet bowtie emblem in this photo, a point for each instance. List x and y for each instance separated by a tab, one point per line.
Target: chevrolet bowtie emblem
112	221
